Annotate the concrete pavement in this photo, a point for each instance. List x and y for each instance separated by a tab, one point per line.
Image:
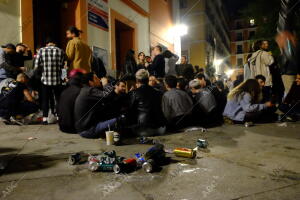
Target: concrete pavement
259	162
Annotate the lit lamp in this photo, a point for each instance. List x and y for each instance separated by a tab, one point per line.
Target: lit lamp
176	32
217	63
229	72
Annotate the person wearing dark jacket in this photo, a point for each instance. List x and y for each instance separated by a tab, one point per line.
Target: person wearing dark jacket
65	108
184	69
145	108
7	67
98	67
23	53
157	67
90	120
130	64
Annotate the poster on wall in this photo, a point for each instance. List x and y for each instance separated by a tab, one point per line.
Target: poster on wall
102	54
98	13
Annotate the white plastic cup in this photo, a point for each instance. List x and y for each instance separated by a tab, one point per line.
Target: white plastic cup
109	137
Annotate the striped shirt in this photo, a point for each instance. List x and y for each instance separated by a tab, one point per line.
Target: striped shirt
51	61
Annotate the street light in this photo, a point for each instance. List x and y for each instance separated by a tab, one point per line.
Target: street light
178	30
229	72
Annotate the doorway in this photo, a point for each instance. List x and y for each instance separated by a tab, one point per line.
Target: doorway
123	37
51	18
124	42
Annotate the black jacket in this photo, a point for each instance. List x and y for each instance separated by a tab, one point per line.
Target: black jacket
185	70
158	66
145	107
130	68
89	106
65	108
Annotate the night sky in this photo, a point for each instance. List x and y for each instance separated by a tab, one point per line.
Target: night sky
233	6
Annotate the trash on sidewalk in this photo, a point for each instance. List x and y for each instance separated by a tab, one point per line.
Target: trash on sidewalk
31	138
203	130
127	165
185	152
284	124
74	158
201	143
149	166
147	140
104	162
248	124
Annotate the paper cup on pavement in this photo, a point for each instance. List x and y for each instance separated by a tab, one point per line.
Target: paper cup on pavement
109	137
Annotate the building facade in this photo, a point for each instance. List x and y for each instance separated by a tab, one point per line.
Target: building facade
110	27
242	31
208	33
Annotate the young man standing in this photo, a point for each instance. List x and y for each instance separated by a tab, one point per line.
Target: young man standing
79	54
158	64
184	69
51	60
260	62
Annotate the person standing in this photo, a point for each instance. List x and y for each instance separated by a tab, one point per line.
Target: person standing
158	64
51	60
170	62
78	53
184	69
260	62
141	61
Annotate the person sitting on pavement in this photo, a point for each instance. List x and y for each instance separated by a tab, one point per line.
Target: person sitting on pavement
243	103
182	84
156	84
7	67
145	110
15	99
90	120
266	91
65	108
219	96
176	105
22	54
204	103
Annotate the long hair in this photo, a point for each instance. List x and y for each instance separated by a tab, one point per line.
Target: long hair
250	86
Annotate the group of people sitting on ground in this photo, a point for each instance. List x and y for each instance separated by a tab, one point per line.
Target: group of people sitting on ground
150	98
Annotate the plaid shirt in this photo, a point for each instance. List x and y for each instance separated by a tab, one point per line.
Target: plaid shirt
51	61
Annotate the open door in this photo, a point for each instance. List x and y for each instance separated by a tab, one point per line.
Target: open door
51	19
123	37
124	42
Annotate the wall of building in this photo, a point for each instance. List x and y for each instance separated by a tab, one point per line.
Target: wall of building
101	38
161	21
10	22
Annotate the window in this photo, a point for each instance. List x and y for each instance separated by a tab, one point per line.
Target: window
239	49
183	4
251	34
239	36
252	22
240	62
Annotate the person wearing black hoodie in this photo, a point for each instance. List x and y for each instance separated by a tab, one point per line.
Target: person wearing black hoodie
90	118
65	108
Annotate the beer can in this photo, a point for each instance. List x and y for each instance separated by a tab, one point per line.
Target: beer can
185	152
148	166
94	166
202	143
127	165
74	158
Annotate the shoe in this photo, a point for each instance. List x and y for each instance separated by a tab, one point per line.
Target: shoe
45	123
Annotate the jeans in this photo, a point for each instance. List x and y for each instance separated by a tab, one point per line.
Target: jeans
99	129
48	93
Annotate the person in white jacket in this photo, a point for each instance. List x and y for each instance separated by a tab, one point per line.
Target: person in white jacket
260	62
